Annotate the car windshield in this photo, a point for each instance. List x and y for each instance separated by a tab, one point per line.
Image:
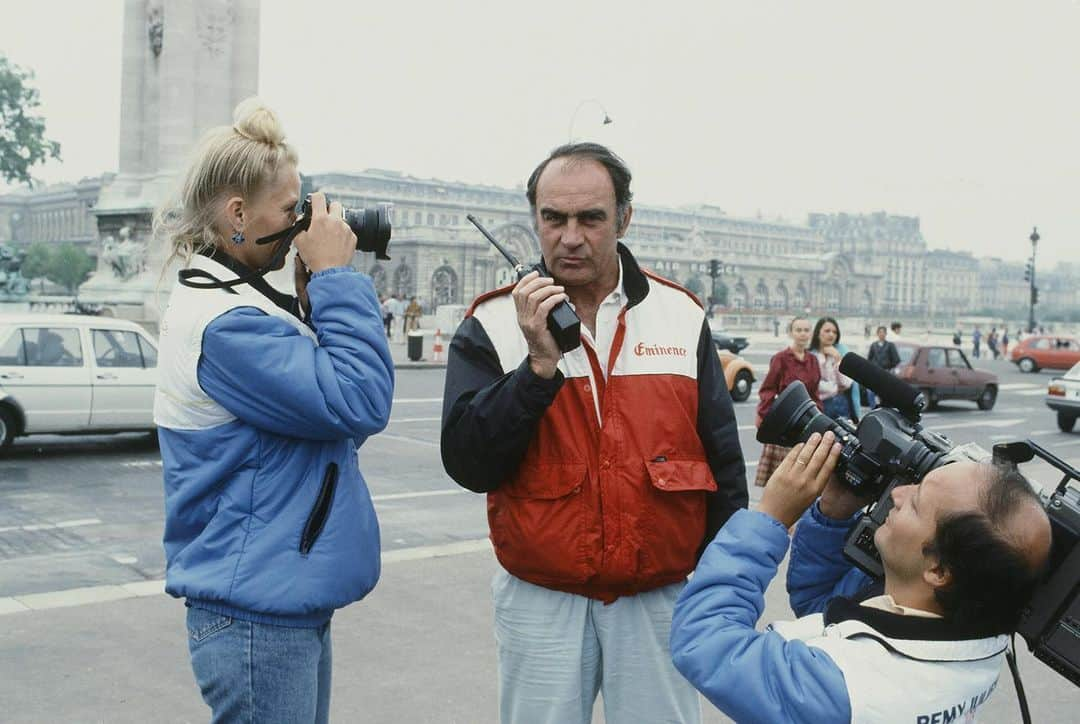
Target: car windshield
1074	373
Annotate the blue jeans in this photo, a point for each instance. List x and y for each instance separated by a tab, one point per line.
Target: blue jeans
256	672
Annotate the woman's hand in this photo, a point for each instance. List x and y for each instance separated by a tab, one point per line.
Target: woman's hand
830	351
328	241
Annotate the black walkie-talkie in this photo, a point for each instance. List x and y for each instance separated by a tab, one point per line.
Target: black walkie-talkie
562	322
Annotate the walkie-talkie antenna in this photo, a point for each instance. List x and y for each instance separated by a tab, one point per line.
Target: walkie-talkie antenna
518	266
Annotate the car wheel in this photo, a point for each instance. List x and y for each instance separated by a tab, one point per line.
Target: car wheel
1026	364
987	398
931	398
744	382
7	428
1066	421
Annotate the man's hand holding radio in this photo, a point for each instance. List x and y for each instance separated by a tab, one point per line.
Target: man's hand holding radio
535	296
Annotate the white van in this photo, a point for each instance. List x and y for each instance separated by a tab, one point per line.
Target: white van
74	374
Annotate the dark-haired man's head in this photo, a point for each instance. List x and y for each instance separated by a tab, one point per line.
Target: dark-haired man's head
970	542
580	200
896	327
881	332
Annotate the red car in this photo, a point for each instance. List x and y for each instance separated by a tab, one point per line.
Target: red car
944	373
1045	351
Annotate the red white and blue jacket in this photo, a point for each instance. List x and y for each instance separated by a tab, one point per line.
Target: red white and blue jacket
603	485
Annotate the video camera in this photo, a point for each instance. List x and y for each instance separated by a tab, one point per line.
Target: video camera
889	448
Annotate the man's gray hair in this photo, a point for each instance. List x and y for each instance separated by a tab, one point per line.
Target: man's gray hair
616	168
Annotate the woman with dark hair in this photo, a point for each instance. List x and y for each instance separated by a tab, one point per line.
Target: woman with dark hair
839	393
793	363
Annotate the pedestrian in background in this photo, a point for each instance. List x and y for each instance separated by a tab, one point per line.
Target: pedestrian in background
976	341
387	315
992	342
839	394
412	315
1005	343
884	354
794	362
261	403
956	339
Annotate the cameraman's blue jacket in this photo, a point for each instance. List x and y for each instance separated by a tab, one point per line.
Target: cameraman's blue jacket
840	661
259	417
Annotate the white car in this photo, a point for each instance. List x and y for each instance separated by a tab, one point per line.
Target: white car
73	374
1063	396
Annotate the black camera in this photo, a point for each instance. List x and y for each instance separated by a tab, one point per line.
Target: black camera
889	447
371	226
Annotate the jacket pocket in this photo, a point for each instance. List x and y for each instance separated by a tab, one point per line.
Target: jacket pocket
321	511
673	476
536	522
673	518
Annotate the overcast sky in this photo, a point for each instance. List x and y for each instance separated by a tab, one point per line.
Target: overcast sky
964	113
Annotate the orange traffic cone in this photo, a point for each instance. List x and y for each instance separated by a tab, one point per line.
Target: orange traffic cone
437	347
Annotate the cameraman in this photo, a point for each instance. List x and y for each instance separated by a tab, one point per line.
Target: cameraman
961	552
269	526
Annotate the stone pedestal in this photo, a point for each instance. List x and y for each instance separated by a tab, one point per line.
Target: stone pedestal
186	64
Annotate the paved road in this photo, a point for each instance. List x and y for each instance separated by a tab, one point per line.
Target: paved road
77	513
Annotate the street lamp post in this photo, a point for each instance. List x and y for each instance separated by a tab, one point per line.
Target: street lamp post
573	117
1034	290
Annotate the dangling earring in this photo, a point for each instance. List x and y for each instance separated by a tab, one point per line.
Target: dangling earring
238	237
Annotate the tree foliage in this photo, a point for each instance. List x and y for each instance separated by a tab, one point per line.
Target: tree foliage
37	261
22	134
67	265
71	266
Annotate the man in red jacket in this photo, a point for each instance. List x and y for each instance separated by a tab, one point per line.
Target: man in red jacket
607	468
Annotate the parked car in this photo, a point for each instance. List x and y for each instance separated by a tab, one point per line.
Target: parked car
1063	396
1050	352
74	374
944	373
738	373
733	344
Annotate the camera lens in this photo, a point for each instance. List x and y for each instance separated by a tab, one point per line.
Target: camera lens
372	228
793	418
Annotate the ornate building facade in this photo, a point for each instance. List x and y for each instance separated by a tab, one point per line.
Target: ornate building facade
870	265
53	214
771	268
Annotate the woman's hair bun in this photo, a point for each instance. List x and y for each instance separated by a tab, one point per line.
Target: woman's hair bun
253	120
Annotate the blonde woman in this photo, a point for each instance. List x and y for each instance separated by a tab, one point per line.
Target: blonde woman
269	526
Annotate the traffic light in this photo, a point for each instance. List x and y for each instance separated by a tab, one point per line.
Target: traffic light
714	268
1034	295
1027	271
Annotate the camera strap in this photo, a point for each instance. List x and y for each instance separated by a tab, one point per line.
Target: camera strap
1021	697
245	275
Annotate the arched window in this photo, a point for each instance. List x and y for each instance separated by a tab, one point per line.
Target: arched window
444	286
740	296
798	303
761	296
781	296
833	298
403	281
378	278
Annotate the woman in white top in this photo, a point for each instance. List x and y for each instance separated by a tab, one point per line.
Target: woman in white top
834	389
